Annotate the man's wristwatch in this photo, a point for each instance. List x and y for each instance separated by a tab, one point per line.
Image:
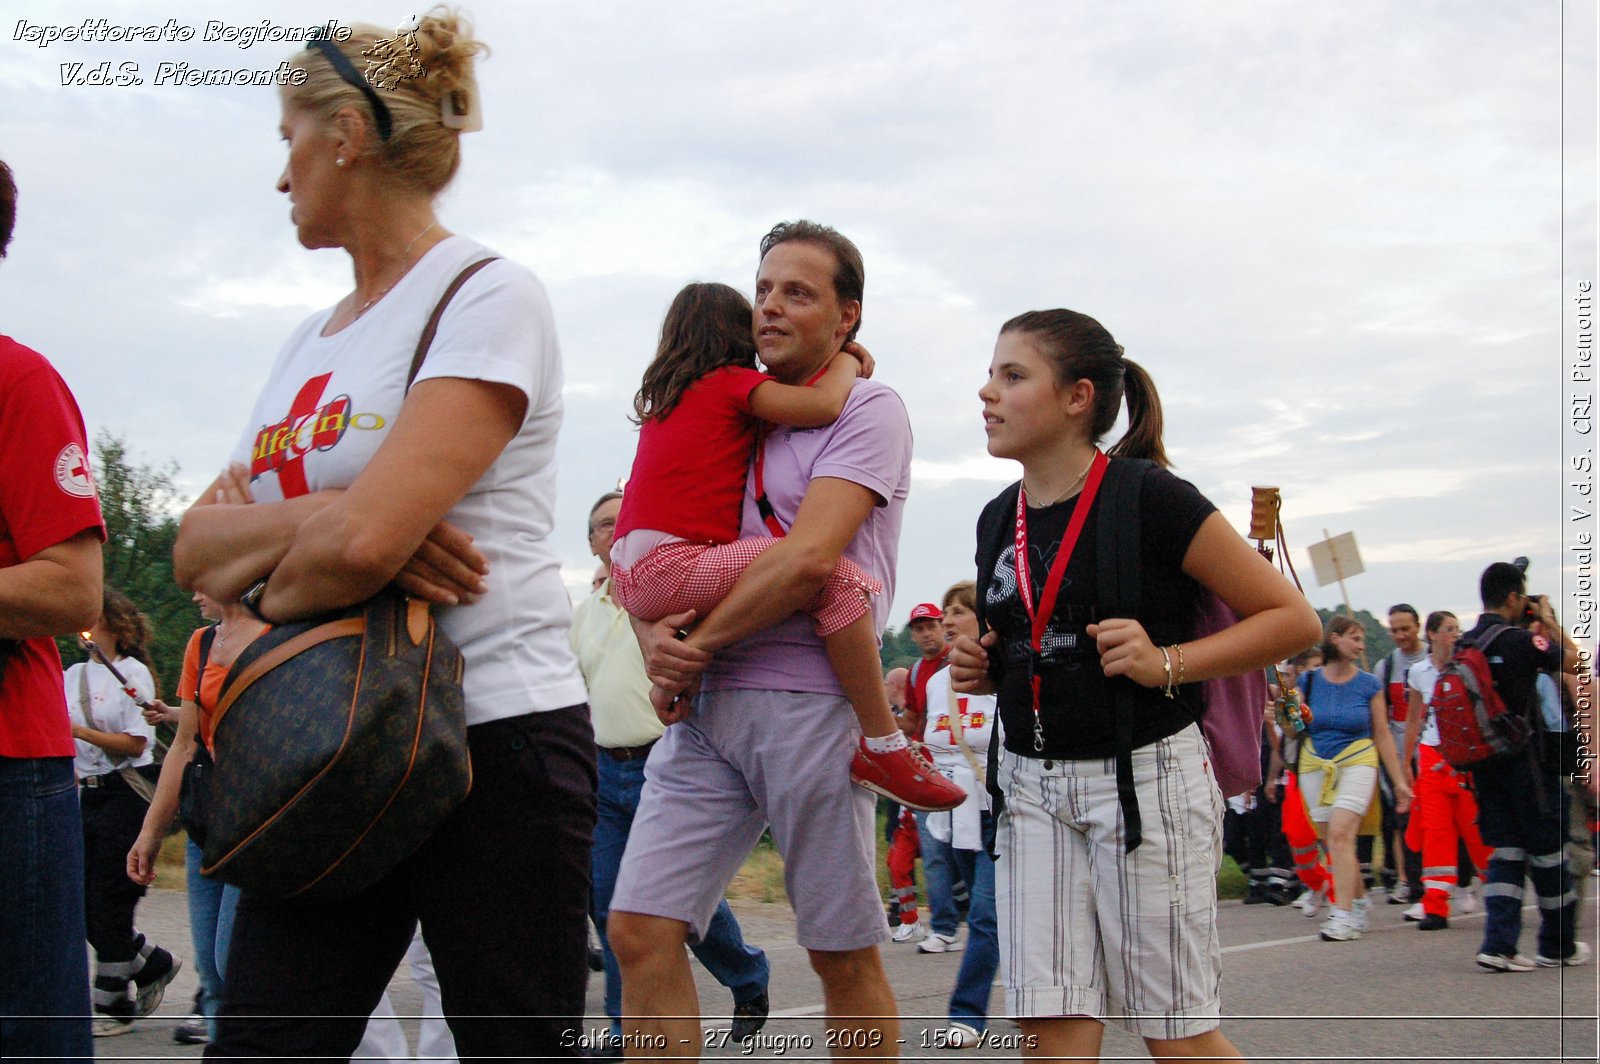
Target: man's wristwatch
251	599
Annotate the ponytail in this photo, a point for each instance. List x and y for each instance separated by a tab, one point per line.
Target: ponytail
1145	423
1080	348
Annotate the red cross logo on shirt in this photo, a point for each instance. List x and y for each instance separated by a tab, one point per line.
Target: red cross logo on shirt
73	475
282	447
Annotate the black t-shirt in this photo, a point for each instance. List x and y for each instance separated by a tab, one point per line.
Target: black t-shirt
1076	705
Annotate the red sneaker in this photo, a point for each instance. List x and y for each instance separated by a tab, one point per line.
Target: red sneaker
905	776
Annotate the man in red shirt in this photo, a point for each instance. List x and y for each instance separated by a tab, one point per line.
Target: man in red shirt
50	572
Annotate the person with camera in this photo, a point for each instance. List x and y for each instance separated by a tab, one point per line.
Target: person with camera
1520	801
50	584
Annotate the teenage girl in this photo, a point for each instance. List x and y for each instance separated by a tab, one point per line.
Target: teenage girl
677	545
1095	922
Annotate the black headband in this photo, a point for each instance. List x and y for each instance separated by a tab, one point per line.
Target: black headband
347	70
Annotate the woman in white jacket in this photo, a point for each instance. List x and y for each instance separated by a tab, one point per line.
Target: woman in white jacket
957	735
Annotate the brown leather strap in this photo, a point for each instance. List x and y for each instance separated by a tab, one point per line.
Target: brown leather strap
426	341
281	653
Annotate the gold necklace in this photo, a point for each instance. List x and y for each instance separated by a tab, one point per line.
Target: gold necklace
1074	486
405	269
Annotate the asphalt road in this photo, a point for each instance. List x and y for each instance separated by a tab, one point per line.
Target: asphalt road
1287	996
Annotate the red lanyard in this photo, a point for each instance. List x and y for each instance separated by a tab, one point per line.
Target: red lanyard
1040	617
769	517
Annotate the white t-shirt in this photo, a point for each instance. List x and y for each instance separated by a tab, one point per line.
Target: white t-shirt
113	712
327	408
1421	678
961	826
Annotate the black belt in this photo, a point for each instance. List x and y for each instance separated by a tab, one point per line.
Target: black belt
628	753
105	780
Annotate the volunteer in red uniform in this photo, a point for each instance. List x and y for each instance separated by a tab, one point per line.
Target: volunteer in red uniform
50	535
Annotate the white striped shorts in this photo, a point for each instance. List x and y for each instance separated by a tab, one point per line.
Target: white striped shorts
1088	930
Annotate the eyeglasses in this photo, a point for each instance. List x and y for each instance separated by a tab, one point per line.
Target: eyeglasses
347	70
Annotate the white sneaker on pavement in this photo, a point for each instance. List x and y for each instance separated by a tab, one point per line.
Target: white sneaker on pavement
1466	900
1500	962
1341	926
1581	954
1310	902
936	942
962	1036
907	933
1414	914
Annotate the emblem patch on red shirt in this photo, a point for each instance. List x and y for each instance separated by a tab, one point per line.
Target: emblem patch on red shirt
72	472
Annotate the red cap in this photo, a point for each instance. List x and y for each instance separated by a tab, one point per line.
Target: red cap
926	612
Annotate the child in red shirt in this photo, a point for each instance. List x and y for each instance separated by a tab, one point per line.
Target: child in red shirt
698	411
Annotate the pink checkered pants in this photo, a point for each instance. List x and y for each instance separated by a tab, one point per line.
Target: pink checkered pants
680	576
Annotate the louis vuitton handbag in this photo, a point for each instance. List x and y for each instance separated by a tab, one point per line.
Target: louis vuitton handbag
340	742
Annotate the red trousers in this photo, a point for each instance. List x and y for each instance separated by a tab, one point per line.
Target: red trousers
1443	812
904	849
1302	838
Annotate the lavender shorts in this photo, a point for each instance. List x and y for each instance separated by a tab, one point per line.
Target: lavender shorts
744	760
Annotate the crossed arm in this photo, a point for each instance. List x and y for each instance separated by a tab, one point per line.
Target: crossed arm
336	548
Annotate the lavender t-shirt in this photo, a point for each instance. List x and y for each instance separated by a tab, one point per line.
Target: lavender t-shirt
870	445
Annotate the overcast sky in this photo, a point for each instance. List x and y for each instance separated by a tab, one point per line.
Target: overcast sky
1333	233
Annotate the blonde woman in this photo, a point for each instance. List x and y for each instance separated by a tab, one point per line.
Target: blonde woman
447	490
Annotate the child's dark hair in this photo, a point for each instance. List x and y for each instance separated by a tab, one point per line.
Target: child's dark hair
1080	348
707	327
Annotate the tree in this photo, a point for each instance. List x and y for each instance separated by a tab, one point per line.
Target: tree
141	505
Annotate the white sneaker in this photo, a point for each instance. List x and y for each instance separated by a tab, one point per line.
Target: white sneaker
939	943
1341	926
962	1036
907	933
1414	914
1500	962
1466	901
1310	902
1580	955
1361	912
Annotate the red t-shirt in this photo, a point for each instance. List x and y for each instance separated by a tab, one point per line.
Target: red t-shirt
47	496
921	672
689	472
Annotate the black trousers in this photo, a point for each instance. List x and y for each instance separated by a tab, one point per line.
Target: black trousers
501	890
112	817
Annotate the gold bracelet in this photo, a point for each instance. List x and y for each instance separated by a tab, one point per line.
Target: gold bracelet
1166	663
1179	648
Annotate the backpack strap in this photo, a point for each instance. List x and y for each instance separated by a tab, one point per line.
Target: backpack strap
1117	589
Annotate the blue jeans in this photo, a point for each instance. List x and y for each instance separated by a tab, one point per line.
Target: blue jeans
741	968
969	1001
211	908
44	980
938	876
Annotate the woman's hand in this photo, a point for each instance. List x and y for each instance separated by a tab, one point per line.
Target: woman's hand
861	355
158	712
1126	650
446	568
1402	795
969	664
142	857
